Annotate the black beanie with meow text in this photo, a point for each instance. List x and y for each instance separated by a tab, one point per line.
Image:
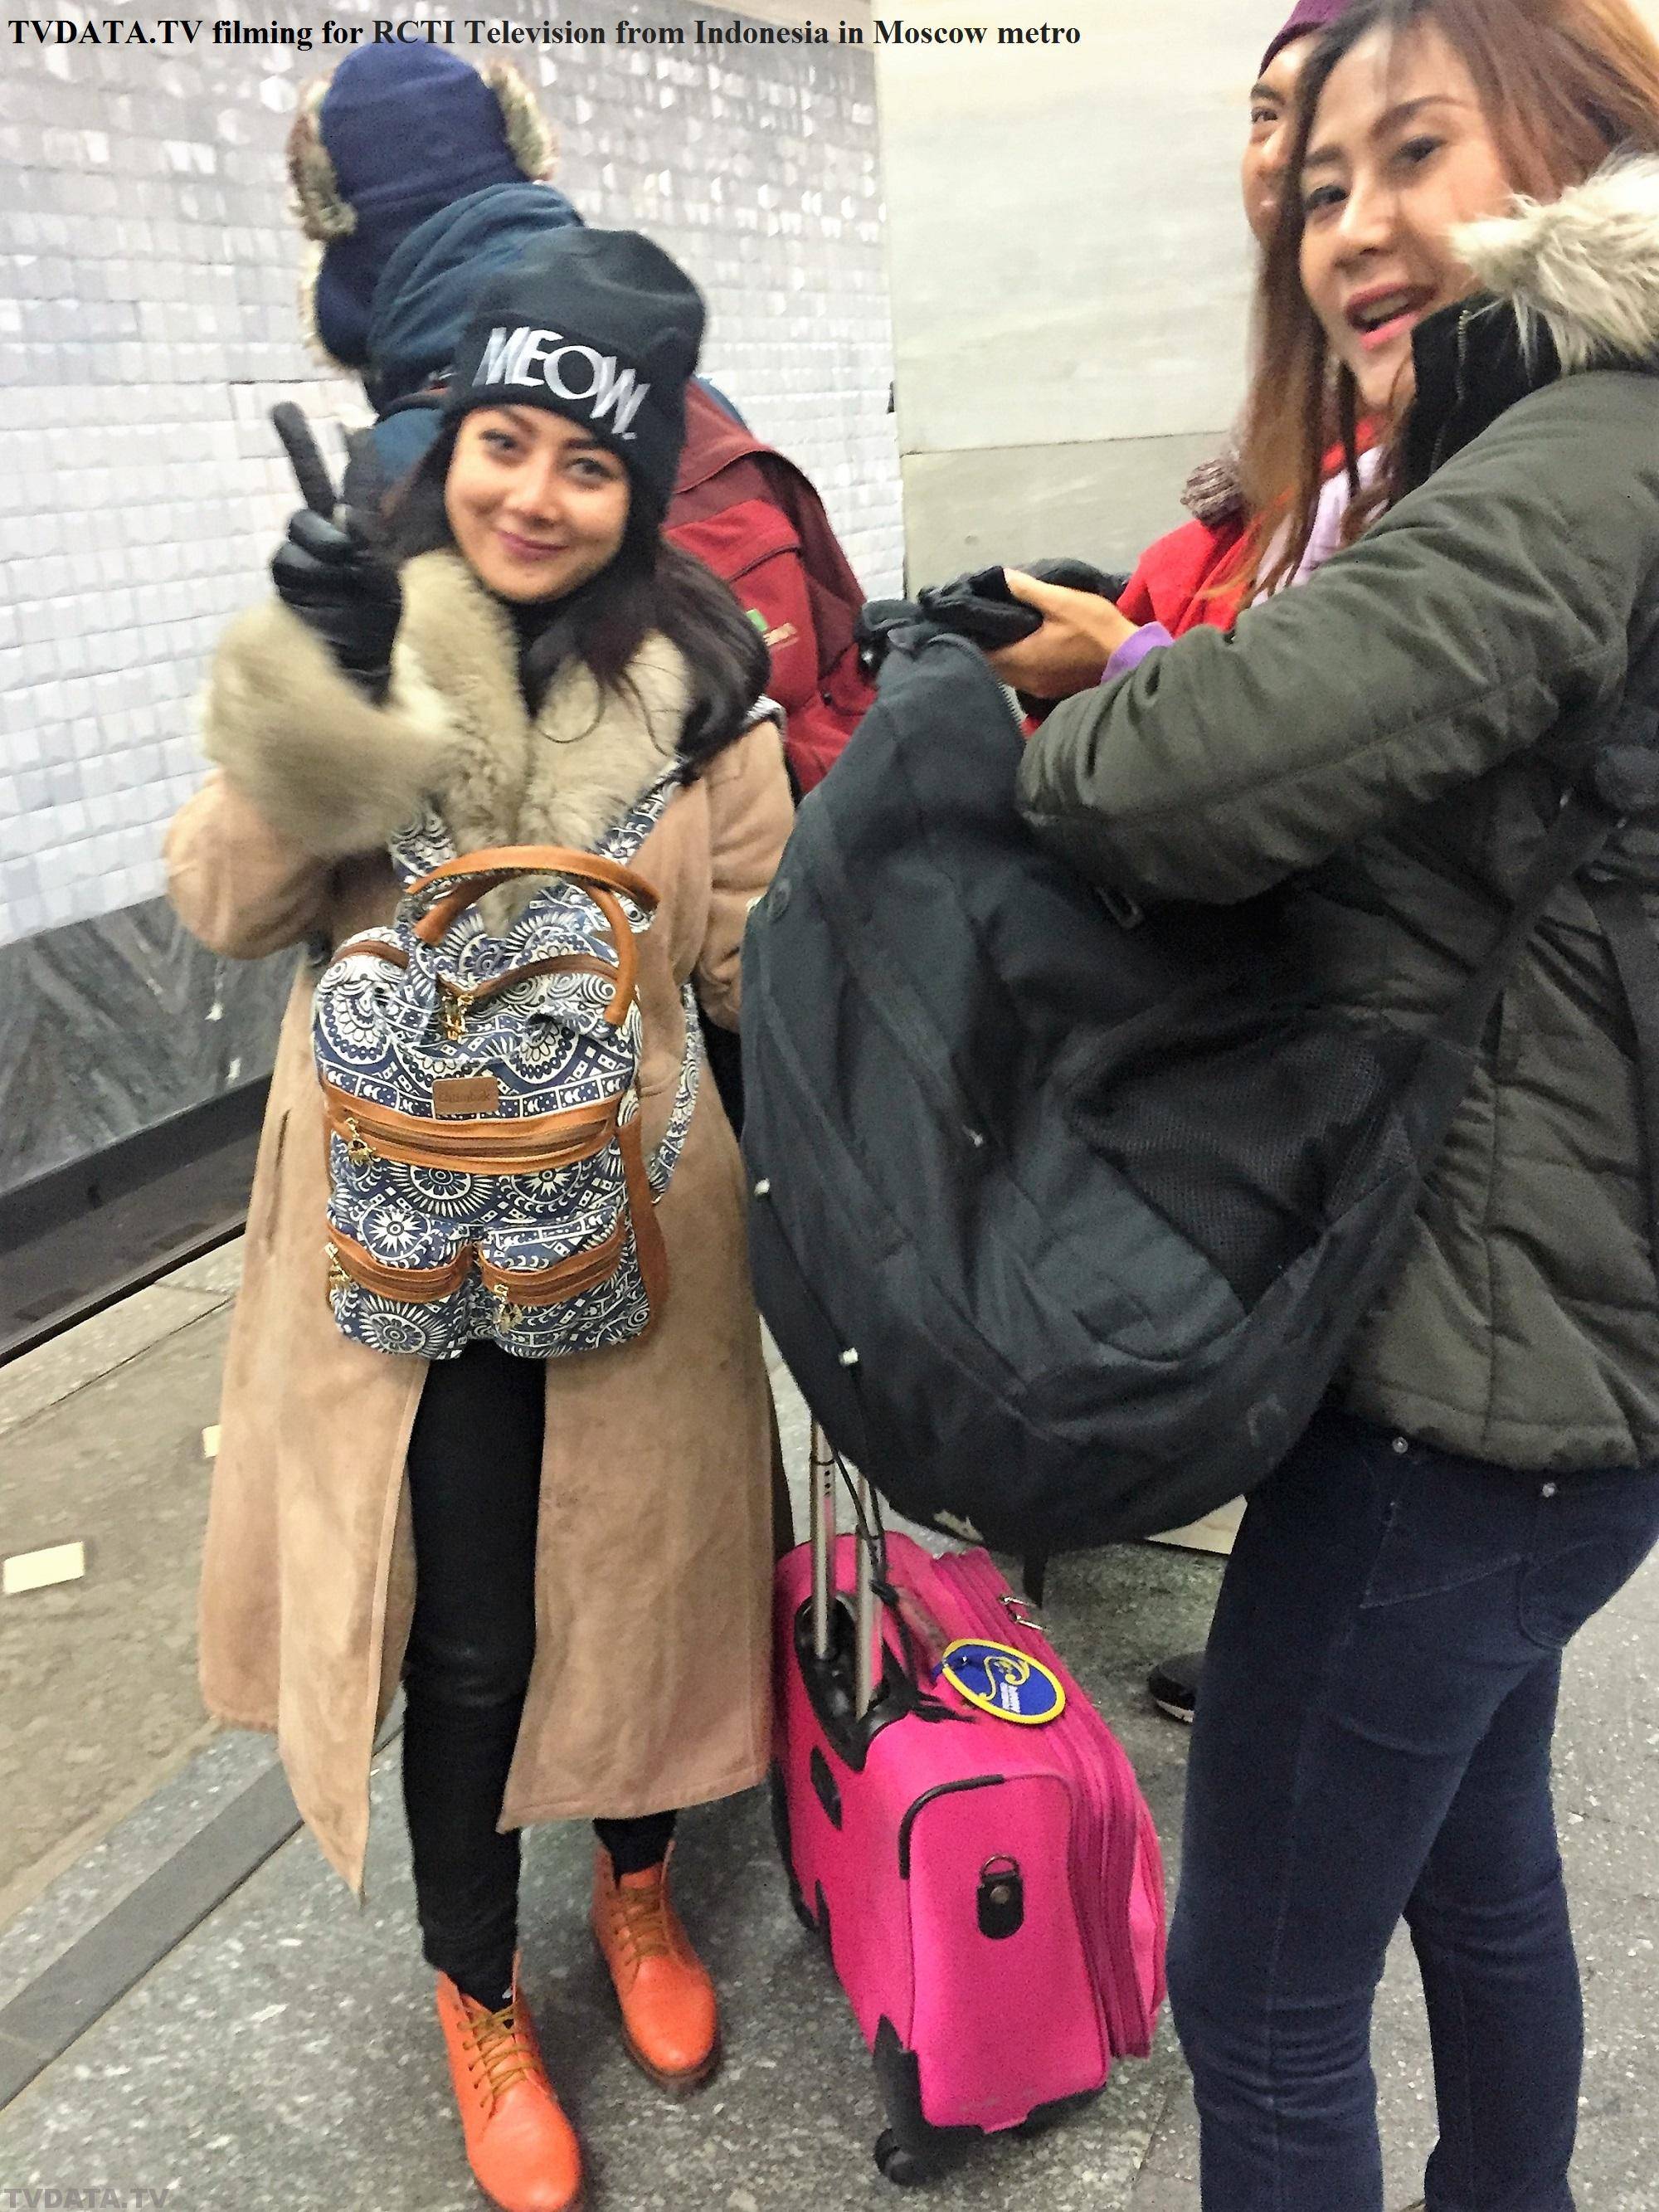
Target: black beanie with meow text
600	326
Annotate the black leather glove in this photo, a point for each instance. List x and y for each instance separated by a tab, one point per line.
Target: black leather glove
980	607
343	590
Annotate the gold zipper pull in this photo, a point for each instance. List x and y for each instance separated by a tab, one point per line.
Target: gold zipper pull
338	1279
454	1006
357	1148
508	1316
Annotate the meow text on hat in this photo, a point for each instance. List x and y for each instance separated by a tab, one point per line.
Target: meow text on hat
528	355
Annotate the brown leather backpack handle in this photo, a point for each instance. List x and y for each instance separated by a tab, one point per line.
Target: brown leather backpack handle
475	874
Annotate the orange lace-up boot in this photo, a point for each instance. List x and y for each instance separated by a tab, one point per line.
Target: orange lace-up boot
522	2150
670	2022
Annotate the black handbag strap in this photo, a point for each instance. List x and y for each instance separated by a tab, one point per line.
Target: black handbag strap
1576	838
1619	778
1620	781
1625	924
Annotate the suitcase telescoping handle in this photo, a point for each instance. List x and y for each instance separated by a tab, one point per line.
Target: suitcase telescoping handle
824	1467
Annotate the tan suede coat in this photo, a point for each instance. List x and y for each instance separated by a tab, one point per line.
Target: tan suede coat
650	1683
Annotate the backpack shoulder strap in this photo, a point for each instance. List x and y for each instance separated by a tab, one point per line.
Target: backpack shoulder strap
624	838
620	844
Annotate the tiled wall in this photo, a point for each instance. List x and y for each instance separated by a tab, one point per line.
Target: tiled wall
147	322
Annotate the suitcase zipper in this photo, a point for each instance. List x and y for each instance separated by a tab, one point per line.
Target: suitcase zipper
978	1581
1105	1905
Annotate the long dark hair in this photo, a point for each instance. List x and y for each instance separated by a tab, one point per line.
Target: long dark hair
1564	84
649	586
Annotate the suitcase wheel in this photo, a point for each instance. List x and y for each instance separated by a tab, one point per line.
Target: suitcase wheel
901	2166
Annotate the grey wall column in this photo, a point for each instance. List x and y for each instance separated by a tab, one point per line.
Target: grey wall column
1070	272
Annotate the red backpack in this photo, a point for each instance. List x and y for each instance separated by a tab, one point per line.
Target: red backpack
754	519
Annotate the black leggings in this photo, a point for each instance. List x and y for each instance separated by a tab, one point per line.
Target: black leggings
474	1483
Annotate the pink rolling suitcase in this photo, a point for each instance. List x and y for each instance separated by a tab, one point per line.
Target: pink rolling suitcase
990	1892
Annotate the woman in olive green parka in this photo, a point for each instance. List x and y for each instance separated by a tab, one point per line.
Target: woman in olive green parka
1458	257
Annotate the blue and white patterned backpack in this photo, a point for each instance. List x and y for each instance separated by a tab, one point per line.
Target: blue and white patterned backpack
488	1177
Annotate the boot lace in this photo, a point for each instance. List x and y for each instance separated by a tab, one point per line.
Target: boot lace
642	1921
501	2051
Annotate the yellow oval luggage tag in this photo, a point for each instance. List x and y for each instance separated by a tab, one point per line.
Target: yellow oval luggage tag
1000	1681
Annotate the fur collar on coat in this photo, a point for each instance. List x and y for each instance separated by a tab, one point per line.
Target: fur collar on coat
1566	285
1579	277
340	775
1582	271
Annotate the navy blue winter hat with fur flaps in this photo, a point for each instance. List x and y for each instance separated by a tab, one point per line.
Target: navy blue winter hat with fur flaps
600	326
394	135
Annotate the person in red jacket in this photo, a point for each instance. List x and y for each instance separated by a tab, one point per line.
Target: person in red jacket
1190	577
1187	577
747	512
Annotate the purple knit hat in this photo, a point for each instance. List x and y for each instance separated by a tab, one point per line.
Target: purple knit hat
1307	17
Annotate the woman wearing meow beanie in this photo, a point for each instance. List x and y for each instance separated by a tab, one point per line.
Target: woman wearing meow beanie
567	1561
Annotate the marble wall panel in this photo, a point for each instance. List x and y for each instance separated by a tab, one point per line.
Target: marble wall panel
1070	268
1069	260
110	1025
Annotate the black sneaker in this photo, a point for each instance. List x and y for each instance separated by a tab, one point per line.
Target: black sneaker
1174	1685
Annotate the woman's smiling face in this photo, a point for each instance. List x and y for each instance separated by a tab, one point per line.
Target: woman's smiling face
537	505
1400	153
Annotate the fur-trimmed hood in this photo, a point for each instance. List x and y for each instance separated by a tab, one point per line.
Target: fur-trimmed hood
1563	286
340	775
1582	271
392	136
1580	275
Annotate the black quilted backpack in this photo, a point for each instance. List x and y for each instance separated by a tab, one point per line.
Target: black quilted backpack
1062	1214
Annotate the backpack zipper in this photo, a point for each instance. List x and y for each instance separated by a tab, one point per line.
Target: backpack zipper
532	1143
454	1004
456	1000
349	1263
516	1290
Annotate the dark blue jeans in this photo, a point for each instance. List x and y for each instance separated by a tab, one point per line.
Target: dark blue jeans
1373	1743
